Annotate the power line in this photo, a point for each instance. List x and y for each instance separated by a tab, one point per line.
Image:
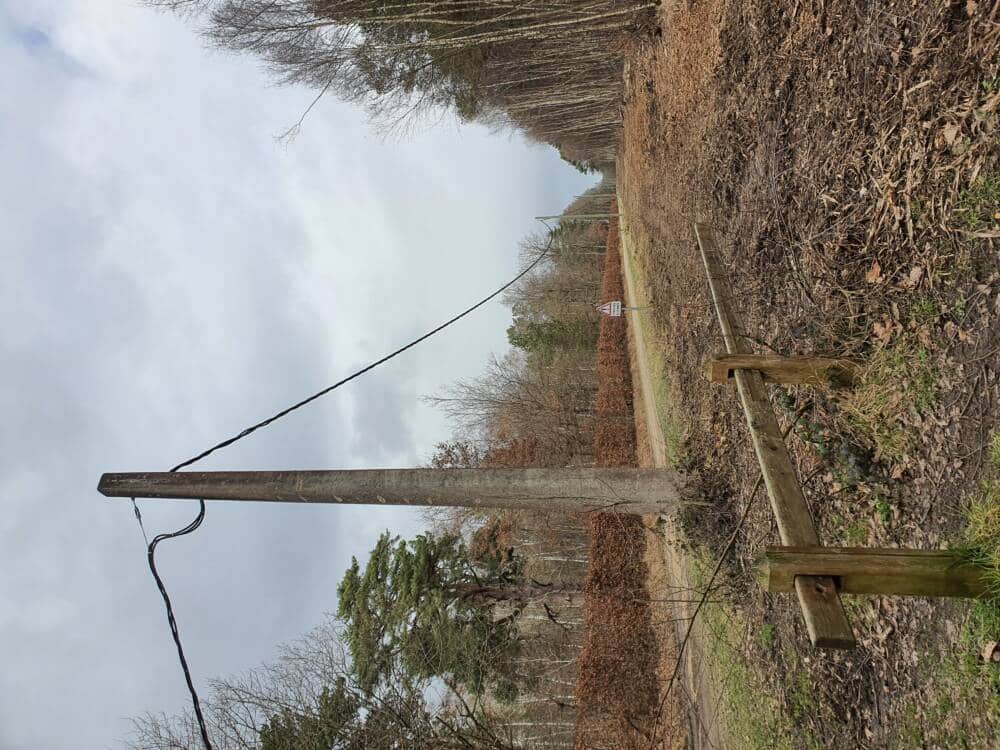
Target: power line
151	545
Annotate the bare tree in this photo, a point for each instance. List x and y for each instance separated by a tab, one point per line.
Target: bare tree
547	67
296	689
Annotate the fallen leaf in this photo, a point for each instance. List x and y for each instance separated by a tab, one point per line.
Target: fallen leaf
916	273
949	133
883	332
874	274
897	471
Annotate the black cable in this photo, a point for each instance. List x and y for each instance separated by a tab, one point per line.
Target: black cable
151	546
362	371
174	632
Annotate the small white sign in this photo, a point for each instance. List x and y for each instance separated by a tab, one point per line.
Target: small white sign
613	308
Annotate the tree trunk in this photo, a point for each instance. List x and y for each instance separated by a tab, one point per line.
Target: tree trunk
616	490
524	592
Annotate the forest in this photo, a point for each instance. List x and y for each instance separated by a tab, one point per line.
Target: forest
552	69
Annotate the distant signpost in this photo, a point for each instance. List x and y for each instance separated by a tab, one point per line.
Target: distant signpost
614	308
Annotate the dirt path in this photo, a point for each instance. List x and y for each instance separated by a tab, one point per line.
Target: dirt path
699	690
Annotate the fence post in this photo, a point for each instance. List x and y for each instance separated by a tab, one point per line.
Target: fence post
889	572
786	370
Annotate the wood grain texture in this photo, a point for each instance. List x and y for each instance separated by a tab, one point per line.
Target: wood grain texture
786	370
896	572
613	490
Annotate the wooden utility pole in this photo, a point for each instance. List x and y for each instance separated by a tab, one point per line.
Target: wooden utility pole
579	490
578	217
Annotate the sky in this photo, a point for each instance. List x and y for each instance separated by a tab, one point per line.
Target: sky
172	273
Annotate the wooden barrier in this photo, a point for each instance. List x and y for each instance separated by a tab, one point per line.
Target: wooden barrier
822	609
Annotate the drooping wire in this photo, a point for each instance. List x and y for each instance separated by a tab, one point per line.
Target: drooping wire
151	545
171	620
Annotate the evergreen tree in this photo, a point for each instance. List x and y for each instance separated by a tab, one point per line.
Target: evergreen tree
545	337
425	609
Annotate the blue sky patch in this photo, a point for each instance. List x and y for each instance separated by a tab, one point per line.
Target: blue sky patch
32	38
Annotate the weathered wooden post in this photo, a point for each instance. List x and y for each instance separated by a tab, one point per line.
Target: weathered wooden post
785	370
887	572
579	490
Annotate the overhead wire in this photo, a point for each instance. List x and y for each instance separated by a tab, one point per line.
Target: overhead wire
200	517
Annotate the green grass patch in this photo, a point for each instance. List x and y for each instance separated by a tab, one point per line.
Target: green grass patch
666	412
982	547
924	310
767	634
883	509
856	534
659	381
759	712
800	696
963	707
978	205
982	534
895	378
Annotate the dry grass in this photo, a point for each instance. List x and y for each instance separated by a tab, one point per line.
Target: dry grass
894	379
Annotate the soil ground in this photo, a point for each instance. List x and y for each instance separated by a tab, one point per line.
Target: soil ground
846	154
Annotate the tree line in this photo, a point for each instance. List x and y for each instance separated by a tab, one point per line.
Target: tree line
436	643
552	68
534	406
